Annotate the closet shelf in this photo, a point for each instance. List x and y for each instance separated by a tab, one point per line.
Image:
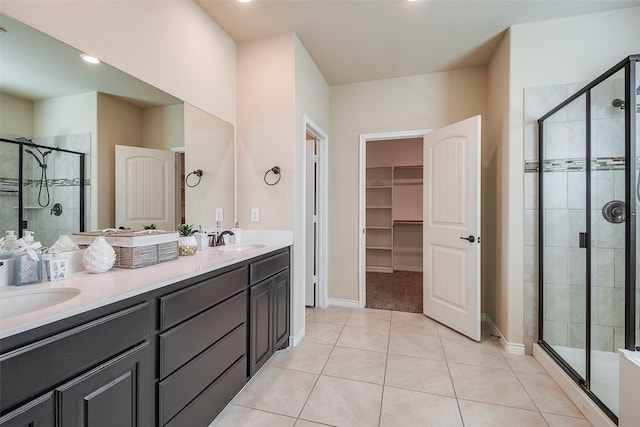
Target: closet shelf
370	187
407	222
380	248
370	227
378	207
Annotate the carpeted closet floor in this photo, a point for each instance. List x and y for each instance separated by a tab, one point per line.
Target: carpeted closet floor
398	291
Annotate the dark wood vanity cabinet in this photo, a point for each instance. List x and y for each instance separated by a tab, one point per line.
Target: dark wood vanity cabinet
202	349
175	356
268	309
93	374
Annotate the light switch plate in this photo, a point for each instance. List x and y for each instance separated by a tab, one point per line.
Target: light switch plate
255	214
219	214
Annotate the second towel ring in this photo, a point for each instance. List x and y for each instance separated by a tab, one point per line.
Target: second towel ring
197	173
276	171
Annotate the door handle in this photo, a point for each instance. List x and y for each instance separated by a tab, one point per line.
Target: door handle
471	239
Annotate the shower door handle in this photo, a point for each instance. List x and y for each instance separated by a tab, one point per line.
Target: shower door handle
584	240
471	239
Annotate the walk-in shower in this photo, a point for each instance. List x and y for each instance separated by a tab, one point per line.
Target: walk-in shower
42	187
588	234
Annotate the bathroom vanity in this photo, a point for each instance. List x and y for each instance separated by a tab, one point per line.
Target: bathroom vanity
167	345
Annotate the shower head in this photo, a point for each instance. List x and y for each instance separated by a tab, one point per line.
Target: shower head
42	165
618	103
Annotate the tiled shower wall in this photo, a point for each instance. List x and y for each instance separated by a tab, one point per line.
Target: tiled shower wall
63	178
565	263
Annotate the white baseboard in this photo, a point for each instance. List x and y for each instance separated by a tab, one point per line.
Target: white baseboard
294	340
343	303
509	347
589	409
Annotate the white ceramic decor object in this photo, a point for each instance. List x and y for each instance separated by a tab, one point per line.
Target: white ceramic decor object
187	245
99	257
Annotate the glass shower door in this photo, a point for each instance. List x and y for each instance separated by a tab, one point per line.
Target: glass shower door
564	177
608	222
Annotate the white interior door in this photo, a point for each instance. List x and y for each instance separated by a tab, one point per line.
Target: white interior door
451	244
145	188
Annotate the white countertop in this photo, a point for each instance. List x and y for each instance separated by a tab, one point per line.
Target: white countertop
118	284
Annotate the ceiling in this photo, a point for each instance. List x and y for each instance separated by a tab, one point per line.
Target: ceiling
361	40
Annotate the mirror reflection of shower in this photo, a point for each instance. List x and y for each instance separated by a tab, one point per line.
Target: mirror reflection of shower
44	198
43	185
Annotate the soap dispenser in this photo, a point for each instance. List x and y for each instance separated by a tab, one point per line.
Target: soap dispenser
27	261
9	245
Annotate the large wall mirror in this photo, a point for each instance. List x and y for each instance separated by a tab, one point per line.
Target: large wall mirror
60	106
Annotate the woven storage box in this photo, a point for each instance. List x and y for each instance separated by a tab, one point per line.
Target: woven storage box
135	249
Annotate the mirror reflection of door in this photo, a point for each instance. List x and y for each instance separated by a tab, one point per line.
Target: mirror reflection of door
145	188
393	197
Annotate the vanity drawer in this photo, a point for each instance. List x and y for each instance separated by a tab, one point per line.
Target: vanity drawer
36	368
187	340
185	384
180	305
208	405
268	267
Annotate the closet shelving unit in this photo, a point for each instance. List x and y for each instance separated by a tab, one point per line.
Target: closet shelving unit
407	218
394	218
379	187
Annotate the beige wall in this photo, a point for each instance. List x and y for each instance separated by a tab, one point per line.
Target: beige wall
119	123
311	101
426	101
495	289
140	38
278	84
16	117
163	127
265	131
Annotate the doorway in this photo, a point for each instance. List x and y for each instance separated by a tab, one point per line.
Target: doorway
451	212
393	201
315	214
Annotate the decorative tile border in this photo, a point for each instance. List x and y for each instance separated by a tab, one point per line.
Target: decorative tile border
9	186
576	165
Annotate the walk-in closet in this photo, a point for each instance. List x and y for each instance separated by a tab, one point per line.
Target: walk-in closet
394	178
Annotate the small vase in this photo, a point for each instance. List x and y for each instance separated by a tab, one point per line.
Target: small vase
99	257
187	245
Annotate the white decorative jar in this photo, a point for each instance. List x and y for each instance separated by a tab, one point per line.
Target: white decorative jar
99	257
187	245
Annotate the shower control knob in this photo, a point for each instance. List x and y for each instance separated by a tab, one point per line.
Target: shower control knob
471	239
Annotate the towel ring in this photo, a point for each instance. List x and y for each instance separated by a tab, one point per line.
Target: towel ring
197	173
276	171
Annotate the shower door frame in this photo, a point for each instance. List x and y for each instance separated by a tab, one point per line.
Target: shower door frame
631	97
21	145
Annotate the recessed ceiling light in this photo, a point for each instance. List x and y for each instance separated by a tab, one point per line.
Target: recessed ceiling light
89	59
244	1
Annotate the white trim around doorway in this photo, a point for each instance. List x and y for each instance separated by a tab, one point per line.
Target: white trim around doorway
323	169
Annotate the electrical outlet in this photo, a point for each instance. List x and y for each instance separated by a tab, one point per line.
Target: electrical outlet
219	214
255	214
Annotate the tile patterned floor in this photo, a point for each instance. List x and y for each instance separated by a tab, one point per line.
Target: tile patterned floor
367	367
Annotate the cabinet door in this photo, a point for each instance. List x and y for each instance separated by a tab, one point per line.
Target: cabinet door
115	393
280	290
260	335
37	413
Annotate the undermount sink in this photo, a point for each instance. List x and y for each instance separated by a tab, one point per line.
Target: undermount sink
240	247
24	301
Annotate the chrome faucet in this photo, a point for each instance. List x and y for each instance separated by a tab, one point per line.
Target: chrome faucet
220	238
